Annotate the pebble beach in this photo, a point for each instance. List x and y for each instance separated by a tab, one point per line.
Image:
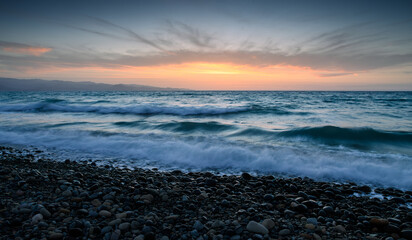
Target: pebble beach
46	199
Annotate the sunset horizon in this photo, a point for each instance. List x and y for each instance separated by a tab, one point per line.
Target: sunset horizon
228	45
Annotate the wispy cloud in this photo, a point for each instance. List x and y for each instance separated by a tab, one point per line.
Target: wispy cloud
339	52
334	74
252	58
118	32
190	34
23	48
127	32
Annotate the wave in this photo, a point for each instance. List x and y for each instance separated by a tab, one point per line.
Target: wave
199	154
56	105
258	109
54	100
148	109
182	127
333	134
255	132
65	124
355	138
195	126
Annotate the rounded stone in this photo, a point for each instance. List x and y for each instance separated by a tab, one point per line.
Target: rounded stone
45	212
105	213
36	218
340	228
115	222
256	227
268	223
55	236
310	226
198	226
284	232
379	222
313	221
124	226
268	197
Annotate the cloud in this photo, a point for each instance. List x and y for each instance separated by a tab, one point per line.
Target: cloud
339	52
334	74
122	33
188	33
128	32
252	58
23	48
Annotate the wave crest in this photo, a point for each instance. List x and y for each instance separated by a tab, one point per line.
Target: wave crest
57	105
137	109
358	135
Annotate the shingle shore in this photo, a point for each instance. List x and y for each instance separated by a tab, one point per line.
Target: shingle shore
46	199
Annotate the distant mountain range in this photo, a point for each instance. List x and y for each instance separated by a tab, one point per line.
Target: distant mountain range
12	84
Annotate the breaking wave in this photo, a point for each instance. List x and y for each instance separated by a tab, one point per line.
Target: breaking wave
225	156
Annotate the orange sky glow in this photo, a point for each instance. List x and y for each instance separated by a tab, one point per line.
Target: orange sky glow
35	51
198	76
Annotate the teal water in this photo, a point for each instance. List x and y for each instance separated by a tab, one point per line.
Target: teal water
365	137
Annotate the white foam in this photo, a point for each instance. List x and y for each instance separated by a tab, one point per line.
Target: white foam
232	157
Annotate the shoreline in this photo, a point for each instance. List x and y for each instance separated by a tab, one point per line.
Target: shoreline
75	200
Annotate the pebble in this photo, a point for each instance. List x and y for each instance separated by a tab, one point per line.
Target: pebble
268	223
269	197
96	202
124	226
246	176
42	225
67	193
115	235
139	237
115	222
148	198
313	221
340	228
45	212
316	236
198	225
55	236
284	232
106	229
121	215
36	218
256	227
310	226
105	213
379	222
328	210
218	224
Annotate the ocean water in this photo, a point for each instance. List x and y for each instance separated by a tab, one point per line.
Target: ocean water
362	137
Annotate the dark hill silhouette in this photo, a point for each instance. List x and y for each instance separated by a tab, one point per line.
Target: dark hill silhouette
12	84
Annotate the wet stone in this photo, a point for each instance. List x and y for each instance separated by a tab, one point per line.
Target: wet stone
124	226
268	223
255	227
105	213
284	232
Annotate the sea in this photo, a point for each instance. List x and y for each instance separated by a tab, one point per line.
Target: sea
360	137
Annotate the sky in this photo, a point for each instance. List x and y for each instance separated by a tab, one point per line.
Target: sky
211	45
